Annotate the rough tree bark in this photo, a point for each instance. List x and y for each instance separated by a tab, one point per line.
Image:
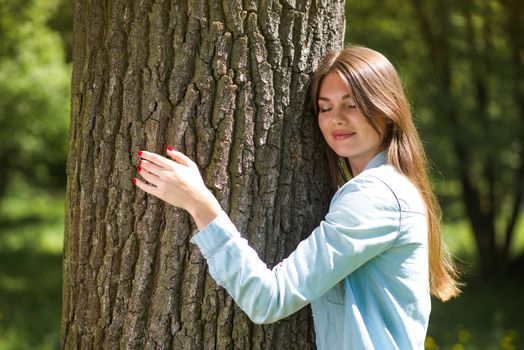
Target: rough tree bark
225	82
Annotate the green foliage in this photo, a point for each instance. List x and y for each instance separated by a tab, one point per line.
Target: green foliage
61	21
34	85
34	108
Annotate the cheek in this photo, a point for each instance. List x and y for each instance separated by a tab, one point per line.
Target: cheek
361	122
321	123
374	137
372	133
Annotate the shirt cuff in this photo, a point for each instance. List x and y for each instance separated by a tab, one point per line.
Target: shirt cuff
215	235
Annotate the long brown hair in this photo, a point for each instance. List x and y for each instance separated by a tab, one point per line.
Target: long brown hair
376	89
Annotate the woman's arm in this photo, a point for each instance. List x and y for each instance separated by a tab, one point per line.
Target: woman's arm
350	235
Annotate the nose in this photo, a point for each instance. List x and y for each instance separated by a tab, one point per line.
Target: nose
339	118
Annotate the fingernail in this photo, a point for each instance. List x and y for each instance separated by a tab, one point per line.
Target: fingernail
169	148
140	162
140	154
139	169
134	180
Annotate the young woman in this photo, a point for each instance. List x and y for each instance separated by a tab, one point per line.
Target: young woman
369	267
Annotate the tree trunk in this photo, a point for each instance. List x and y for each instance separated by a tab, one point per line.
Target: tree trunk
226	83
479	205
515	28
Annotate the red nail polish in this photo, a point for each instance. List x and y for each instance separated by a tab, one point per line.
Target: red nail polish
169	148
134	180
140	162
140	154
139	169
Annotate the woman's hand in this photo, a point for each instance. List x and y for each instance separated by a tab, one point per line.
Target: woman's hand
179	183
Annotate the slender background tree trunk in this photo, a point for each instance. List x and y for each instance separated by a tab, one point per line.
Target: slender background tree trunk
226	83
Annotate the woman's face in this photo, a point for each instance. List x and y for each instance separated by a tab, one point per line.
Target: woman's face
345	129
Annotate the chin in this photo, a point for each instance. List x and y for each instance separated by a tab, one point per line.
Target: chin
341	154
344	153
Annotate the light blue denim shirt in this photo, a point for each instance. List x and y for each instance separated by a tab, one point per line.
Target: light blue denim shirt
364	269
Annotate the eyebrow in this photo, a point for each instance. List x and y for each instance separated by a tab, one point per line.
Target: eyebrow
327	99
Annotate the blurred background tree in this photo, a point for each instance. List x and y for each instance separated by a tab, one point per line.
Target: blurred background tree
34	117
463	65
34	90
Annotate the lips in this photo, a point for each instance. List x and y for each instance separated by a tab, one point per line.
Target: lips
342	135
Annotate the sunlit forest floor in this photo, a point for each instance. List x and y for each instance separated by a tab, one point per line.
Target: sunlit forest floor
486	316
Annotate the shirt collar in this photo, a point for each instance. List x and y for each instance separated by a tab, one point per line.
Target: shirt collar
378	160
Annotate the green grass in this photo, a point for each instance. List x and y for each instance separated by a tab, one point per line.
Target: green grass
31	231
487	316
